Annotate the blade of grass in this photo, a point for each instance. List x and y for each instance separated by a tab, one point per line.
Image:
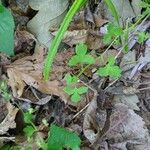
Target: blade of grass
113	10
56	42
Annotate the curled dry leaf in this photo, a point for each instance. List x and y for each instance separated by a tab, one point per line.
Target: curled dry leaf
123	126
9	121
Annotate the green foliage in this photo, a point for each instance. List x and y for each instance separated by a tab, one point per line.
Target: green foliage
81	56
6	31
56	42
75	92
142	36
113	10
60	138
146	6
110	69
28	116
29	131
72	90
7	147
113	31
71	79
4	91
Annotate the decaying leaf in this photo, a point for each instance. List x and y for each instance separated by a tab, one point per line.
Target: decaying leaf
9	121
50	14
24	41
129	100
122	127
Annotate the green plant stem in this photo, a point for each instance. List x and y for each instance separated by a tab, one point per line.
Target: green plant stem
57	40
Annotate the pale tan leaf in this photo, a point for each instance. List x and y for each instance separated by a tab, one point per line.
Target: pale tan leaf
50	14
9	121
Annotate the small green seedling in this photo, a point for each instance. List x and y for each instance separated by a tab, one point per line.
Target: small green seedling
113	31
60	138
71	79
75	92
72	90
81	56
146	6
4	91
142	36
110	69
28	116
30	129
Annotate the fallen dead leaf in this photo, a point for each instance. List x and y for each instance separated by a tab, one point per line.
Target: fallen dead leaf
121	127
130	100
24	41
9	121
50	14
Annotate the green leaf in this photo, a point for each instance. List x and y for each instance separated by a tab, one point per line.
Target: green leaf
6	31
27	148
88	59
28	117
112	32
29	131
70	79
82	89
111	61
81	57
74	60
115	71
1	8
104	72
75	97
81	49
60	138
142	36
69	90
110	69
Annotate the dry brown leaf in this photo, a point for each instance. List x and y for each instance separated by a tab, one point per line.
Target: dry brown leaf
75	36
24	41
18	79
9	121
124	126
28	71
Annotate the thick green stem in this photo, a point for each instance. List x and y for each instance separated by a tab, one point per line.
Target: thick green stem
57	40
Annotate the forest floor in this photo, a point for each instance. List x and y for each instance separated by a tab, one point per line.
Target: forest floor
109	110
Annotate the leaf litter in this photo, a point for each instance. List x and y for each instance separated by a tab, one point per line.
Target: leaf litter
118	119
